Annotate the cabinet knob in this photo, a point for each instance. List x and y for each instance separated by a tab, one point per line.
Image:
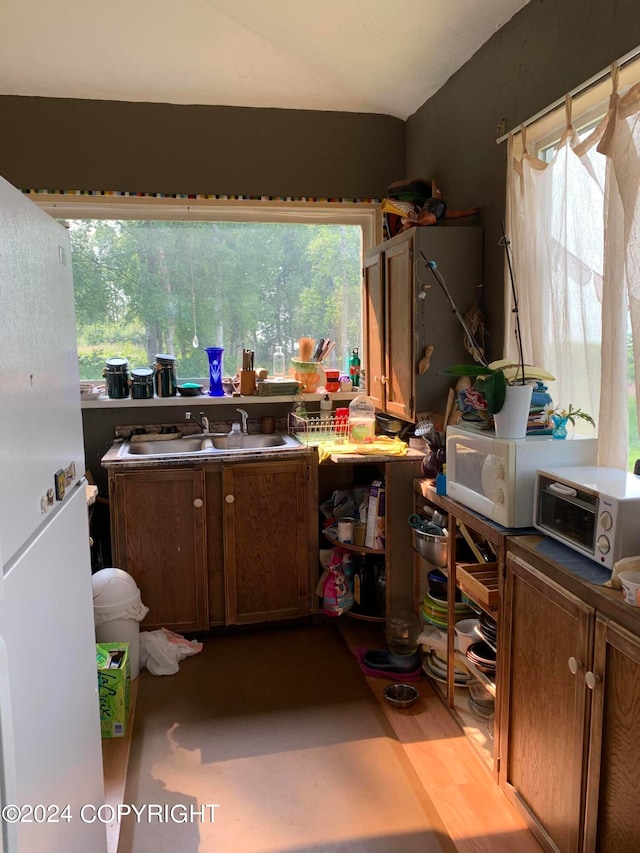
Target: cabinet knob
592	680
574	665
229	499
383	379
198	503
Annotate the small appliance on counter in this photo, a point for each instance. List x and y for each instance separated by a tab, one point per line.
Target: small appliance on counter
496	476
594	510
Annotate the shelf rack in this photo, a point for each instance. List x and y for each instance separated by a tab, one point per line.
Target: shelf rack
482	583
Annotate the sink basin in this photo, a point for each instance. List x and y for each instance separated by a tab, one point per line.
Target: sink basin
208	445
162	448
251	442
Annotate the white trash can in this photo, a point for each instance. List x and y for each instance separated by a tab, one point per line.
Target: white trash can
117	612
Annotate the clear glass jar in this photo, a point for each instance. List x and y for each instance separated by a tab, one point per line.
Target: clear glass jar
278	362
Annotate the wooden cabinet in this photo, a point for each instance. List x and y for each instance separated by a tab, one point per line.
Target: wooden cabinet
545	708
216	544
571	703
405	311
613	788
266	546
158	537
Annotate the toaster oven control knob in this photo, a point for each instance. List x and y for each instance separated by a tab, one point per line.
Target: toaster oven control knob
604	546
606	522
499	496
499	470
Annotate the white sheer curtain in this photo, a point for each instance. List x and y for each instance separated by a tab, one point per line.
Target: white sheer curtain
574	226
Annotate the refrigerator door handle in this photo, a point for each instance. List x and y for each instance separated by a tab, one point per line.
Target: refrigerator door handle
8	788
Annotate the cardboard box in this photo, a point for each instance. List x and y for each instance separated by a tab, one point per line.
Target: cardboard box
374	536
114	688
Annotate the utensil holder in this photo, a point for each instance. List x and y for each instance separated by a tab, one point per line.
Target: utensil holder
247	383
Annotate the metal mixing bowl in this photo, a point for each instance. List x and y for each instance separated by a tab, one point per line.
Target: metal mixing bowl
435	549
401	695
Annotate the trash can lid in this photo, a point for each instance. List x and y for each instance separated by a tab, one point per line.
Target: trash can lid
113	588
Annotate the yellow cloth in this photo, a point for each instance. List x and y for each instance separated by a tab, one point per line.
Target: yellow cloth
383	445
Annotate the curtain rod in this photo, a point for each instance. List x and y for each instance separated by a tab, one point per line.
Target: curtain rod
588	84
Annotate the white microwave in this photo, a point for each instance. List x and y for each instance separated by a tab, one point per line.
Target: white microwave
594	510
496	476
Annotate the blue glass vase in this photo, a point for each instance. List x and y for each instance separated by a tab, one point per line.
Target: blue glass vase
559	426
214	355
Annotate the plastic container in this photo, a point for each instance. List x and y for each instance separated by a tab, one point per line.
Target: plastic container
362	420
117	611
278	362
631	586
234	439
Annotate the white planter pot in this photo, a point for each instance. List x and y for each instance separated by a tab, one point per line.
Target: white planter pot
511	420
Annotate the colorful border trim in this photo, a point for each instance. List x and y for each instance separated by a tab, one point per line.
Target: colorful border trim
194	197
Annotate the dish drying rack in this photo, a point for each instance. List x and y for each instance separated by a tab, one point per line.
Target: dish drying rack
311	431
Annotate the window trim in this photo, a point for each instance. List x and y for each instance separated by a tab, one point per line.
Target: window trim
367	215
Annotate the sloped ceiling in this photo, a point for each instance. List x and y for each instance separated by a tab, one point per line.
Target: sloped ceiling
348	55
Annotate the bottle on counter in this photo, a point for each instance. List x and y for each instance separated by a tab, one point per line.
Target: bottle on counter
354	368
326	407
234	439
278	362
362	420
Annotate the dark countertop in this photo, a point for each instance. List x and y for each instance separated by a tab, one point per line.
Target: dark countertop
563	567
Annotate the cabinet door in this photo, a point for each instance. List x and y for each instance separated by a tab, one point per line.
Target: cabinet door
215	548
266	534
399	346
158	538
613	788
373	325
544	705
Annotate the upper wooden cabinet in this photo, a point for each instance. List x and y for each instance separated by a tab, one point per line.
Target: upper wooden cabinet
405	311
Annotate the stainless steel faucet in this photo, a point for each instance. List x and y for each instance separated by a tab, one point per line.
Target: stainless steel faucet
244	415
202	421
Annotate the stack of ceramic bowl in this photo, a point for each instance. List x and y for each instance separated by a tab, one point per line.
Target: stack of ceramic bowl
435	666
483	657
434	610
488	630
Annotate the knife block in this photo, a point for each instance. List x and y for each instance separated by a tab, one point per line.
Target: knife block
247	383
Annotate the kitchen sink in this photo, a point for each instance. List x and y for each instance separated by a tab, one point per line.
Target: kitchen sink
252	442
208	445
163	448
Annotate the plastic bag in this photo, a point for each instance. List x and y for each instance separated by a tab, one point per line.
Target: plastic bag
337	590
161	651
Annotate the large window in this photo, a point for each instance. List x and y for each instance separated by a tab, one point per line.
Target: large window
573	218
148	283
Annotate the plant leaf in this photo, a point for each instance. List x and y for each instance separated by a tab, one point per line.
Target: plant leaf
467	370
495	390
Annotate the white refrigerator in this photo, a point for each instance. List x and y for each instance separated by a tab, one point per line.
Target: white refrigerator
50	745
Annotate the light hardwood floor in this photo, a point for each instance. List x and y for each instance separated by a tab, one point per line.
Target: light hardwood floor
475	812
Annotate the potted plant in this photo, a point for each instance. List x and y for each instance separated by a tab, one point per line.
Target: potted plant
560	417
